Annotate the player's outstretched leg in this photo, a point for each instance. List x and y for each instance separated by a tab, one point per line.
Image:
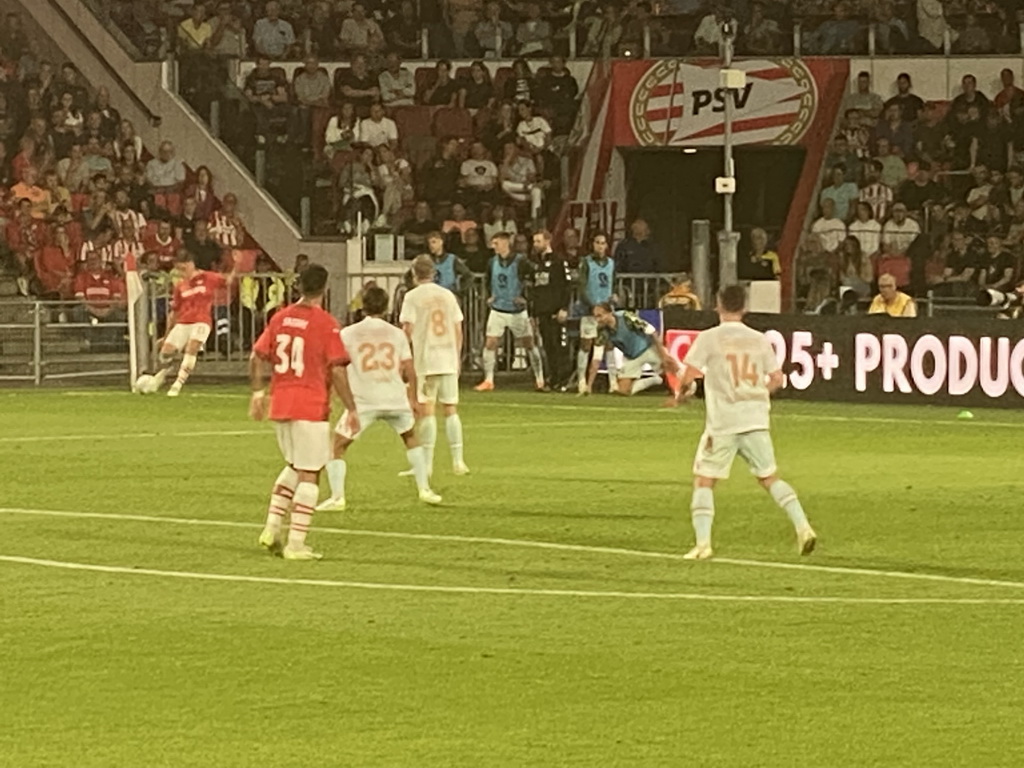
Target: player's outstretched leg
645	383
188	364
280	503
702	513
785	496
306	493
453	431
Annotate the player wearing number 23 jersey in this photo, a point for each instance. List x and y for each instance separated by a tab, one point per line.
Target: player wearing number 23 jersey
740	372
303	346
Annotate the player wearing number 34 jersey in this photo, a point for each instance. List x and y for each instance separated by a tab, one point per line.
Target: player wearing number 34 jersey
740	373
304	348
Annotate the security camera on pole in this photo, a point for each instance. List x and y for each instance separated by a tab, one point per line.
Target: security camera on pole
732	80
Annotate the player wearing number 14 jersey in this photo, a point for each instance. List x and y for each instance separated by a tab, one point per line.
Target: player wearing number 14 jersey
740	373
303	344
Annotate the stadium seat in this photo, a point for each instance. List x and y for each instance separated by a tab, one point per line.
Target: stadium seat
413	121
424	78
500	78
453	121
896	265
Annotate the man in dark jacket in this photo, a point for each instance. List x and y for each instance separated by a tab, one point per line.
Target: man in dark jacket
636	253
550	299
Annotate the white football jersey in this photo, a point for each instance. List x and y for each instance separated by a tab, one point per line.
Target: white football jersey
434	314
377	349
736	361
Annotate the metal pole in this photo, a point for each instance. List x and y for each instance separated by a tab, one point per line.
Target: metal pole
37	345
700	247
728	238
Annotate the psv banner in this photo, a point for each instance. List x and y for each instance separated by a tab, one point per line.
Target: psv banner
682	103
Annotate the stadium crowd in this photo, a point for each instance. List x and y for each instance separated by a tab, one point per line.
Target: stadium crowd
929	194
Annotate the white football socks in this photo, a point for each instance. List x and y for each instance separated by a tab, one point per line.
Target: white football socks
336	471
453	431
490	362
428	439
581	365
302	514
418	461
786	498
281	498
702	512
537	363
188	364
644	383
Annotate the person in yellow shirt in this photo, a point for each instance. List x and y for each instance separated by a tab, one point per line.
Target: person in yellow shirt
890	301
28	189
194	33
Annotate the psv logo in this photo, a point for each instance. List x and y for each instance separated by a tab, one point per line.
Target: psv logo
503	281
602	279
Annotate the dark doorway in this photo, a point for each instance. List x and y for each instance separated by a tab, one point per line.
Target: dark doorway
670	188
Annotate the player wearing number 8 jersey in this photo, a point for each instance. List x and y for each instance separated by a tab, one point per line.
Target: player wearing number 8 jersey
740	373
384	388
303	344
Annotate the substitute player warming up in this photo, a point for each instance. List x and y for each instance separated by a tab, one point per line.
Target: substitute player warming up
639	344
384	389
190	321
432	320
303	344
740	373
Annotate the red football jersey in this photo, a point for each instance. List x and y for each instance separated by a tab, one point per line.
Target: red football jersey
303	343
165	251
100	289
193	299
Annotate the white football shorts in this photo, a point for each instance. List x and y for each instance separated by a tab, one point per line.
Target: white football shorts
516	322
440	388
715	454
305	445
400	421
634	369
181	335
588	327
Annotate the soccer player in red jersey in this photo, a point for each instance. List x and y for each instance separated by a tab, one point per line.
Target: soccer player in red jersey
303	344
189	323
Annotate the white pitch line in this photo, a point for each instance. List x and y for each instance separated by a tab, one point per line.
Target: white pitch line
462	590
532	544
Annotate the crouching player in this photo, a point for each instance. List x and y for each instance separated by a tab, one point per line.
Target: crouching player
384	389
303	345
639	343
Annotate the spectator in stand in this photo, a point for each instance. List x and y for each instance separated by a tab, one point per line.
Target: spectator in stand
760	36
360	34
841	192
24	236
899	231
857	133
500	129
519	87
533	37
867	229
165	174
312	84
55	265
707	39
998	266
128	223
980	193
636	253
974	38
1014	187
638	23
126	136
499	222
910	104
415	230
855	268
377	130
439	179
493	34
59	194
932	25
533	131
394	181
971	97
272	36
226	226
163	244
963	264
473	255
830	229
96	158
891	301
73	171
841	154
603	31
893	167
443	91
478	177
571	250
358	195
194	32
204	249
863	99
29	189
359	86
556	92
71	83
404	31
397	86
477	91
891	33
898	133
456	227
875	193
110	118
101	293
263	81
341	129
840	35
921	191
320	37
761	263
1011	98
229	40
519	177
994	143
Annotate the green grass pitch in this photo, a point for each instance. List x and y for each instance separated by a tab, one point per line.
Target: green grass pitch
447	637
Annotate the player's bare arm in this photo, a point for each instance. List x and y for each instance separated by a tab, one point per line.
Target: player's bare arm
257	382
775	380
459	338
339	380
409	377
595	364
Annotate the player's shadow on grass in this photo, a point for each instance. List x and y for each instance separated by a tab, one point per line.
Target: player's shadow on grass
583	514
